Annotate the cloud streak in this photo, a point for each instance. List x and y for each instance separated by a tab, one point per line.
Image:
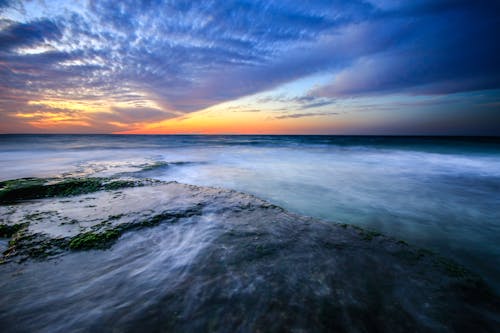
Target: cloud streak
303	115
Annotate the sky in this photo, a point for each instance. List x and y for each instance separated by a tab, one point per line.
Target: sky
390	67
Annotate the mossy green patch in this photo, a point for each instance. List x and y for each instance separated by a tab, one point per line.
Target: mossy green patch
21	182
97	239
118	184
36	188
9	230
19	237
91	240
27	245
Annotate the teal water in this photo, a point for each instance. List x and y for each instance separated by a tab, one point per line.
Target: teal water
438	193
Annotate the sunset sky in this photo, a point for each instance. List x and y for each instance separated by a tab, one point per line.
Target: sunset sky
295	67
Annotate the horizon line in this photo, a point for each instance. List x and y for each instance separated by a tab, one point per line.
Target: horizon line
265	134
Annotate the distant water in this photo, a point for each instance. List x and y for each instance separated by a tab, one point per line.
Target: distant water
439	193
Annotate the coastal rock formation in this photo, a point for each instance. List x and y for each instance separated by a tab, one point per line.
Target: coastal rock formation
145	255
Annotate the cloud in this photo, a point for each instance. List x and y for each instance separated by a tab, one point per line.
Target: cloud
133	115
300	102
27	34
248	110
303	115
185	56
318	104
453	49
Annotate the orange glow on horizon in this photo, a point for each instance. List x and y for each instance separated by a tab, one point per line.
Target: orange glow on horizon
66	116
217	121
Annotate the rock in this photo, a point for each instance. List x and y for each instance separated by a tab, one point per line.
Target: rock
219	260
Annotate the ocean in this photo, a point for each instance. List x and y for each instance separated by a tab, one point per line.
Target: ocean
438	193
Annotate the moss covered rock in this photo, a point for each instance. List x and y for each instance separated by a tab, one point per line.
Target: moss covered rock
90	240
15	190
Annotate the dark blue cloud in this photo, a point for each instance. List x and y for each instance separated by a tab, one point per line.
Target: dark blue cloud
28	34
452	48
7	3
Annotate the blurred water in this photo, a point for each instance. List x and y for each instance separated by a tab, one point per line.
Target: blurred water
96	290
439	193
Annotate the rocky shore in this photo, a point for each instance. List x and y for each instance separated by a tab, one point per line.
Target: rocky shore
239	264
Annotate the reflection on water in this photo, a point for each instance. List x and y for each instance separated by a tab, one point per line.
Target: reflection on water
438	193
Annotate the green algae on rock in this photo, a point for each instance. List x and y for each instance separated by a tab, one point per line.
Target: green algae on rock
35	188
46	226
90	240
9	230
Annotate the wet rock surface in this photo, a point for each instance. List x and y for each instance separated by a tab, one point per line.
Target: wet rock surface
167	257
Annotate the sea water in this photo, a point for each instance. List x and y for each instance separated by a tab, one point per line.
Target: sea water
438	193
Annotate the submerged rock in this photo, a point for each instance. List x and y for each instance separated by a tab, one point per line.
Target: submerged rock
207	259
